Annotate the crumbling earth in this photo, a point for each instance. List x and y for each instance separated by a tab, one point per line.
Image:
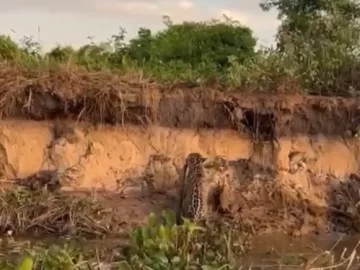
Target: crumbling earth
296	201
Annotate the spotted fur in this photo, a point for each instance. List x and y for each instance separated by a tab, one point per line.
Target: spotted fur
199	179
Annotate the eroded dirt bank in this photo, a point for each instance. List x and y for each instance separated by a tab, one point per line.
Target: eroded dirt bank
102	156
107	99
141	166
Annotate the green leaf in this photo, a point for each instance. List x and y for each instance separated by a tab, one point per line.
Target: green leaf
164	233
151	220
145	233
26	263
170	217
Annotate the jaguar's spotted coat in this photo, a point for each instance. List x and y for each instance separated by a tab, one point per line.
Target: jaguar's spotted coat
199	180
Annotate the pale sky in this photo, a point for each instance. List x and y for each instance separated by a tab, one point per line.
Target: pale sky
70	22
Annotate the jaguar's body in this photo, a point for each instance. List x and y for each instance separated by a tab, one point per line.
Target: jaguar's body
199	182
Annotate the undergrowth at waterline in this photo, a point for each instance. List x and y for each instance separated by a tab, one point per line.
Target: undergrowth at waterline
160	244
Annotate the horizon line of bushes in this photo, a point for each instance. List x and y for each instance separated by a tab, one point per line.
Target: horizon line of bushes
317	51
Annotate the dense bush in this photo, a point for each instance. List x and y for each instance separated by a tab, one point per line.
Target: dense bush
316	52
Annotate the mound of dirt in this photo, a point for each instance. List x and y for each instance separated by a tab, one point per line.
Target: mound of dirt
294	203
101	97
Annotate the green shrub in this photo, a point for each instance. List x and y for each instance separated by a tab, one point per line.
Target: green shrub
316	53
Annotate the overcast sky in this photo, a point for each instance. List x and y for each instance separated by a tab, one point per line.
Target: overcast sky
70	22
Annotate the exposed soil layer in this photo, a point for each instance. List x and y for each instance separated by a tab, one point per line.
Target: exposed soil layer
298	204
295	204
97	131
116	158
301	184
104	97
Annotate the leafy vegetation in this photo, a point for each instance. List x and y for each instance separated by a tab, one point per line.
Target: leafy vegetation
318	41
316	52
158	244
161	244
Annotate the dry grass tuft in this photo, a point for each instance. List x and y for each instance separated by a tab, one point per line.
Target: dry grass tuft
39	212
44	94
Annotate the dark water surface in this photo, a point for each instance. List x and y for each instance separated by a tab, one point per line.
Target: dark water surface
278	249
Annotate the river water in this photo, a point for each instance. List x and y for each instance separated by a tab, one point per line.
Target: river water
268	251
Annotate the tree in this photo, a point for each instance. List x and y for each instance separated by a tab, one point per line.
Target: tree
298	17
194	43
139	48
291	9
321	38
